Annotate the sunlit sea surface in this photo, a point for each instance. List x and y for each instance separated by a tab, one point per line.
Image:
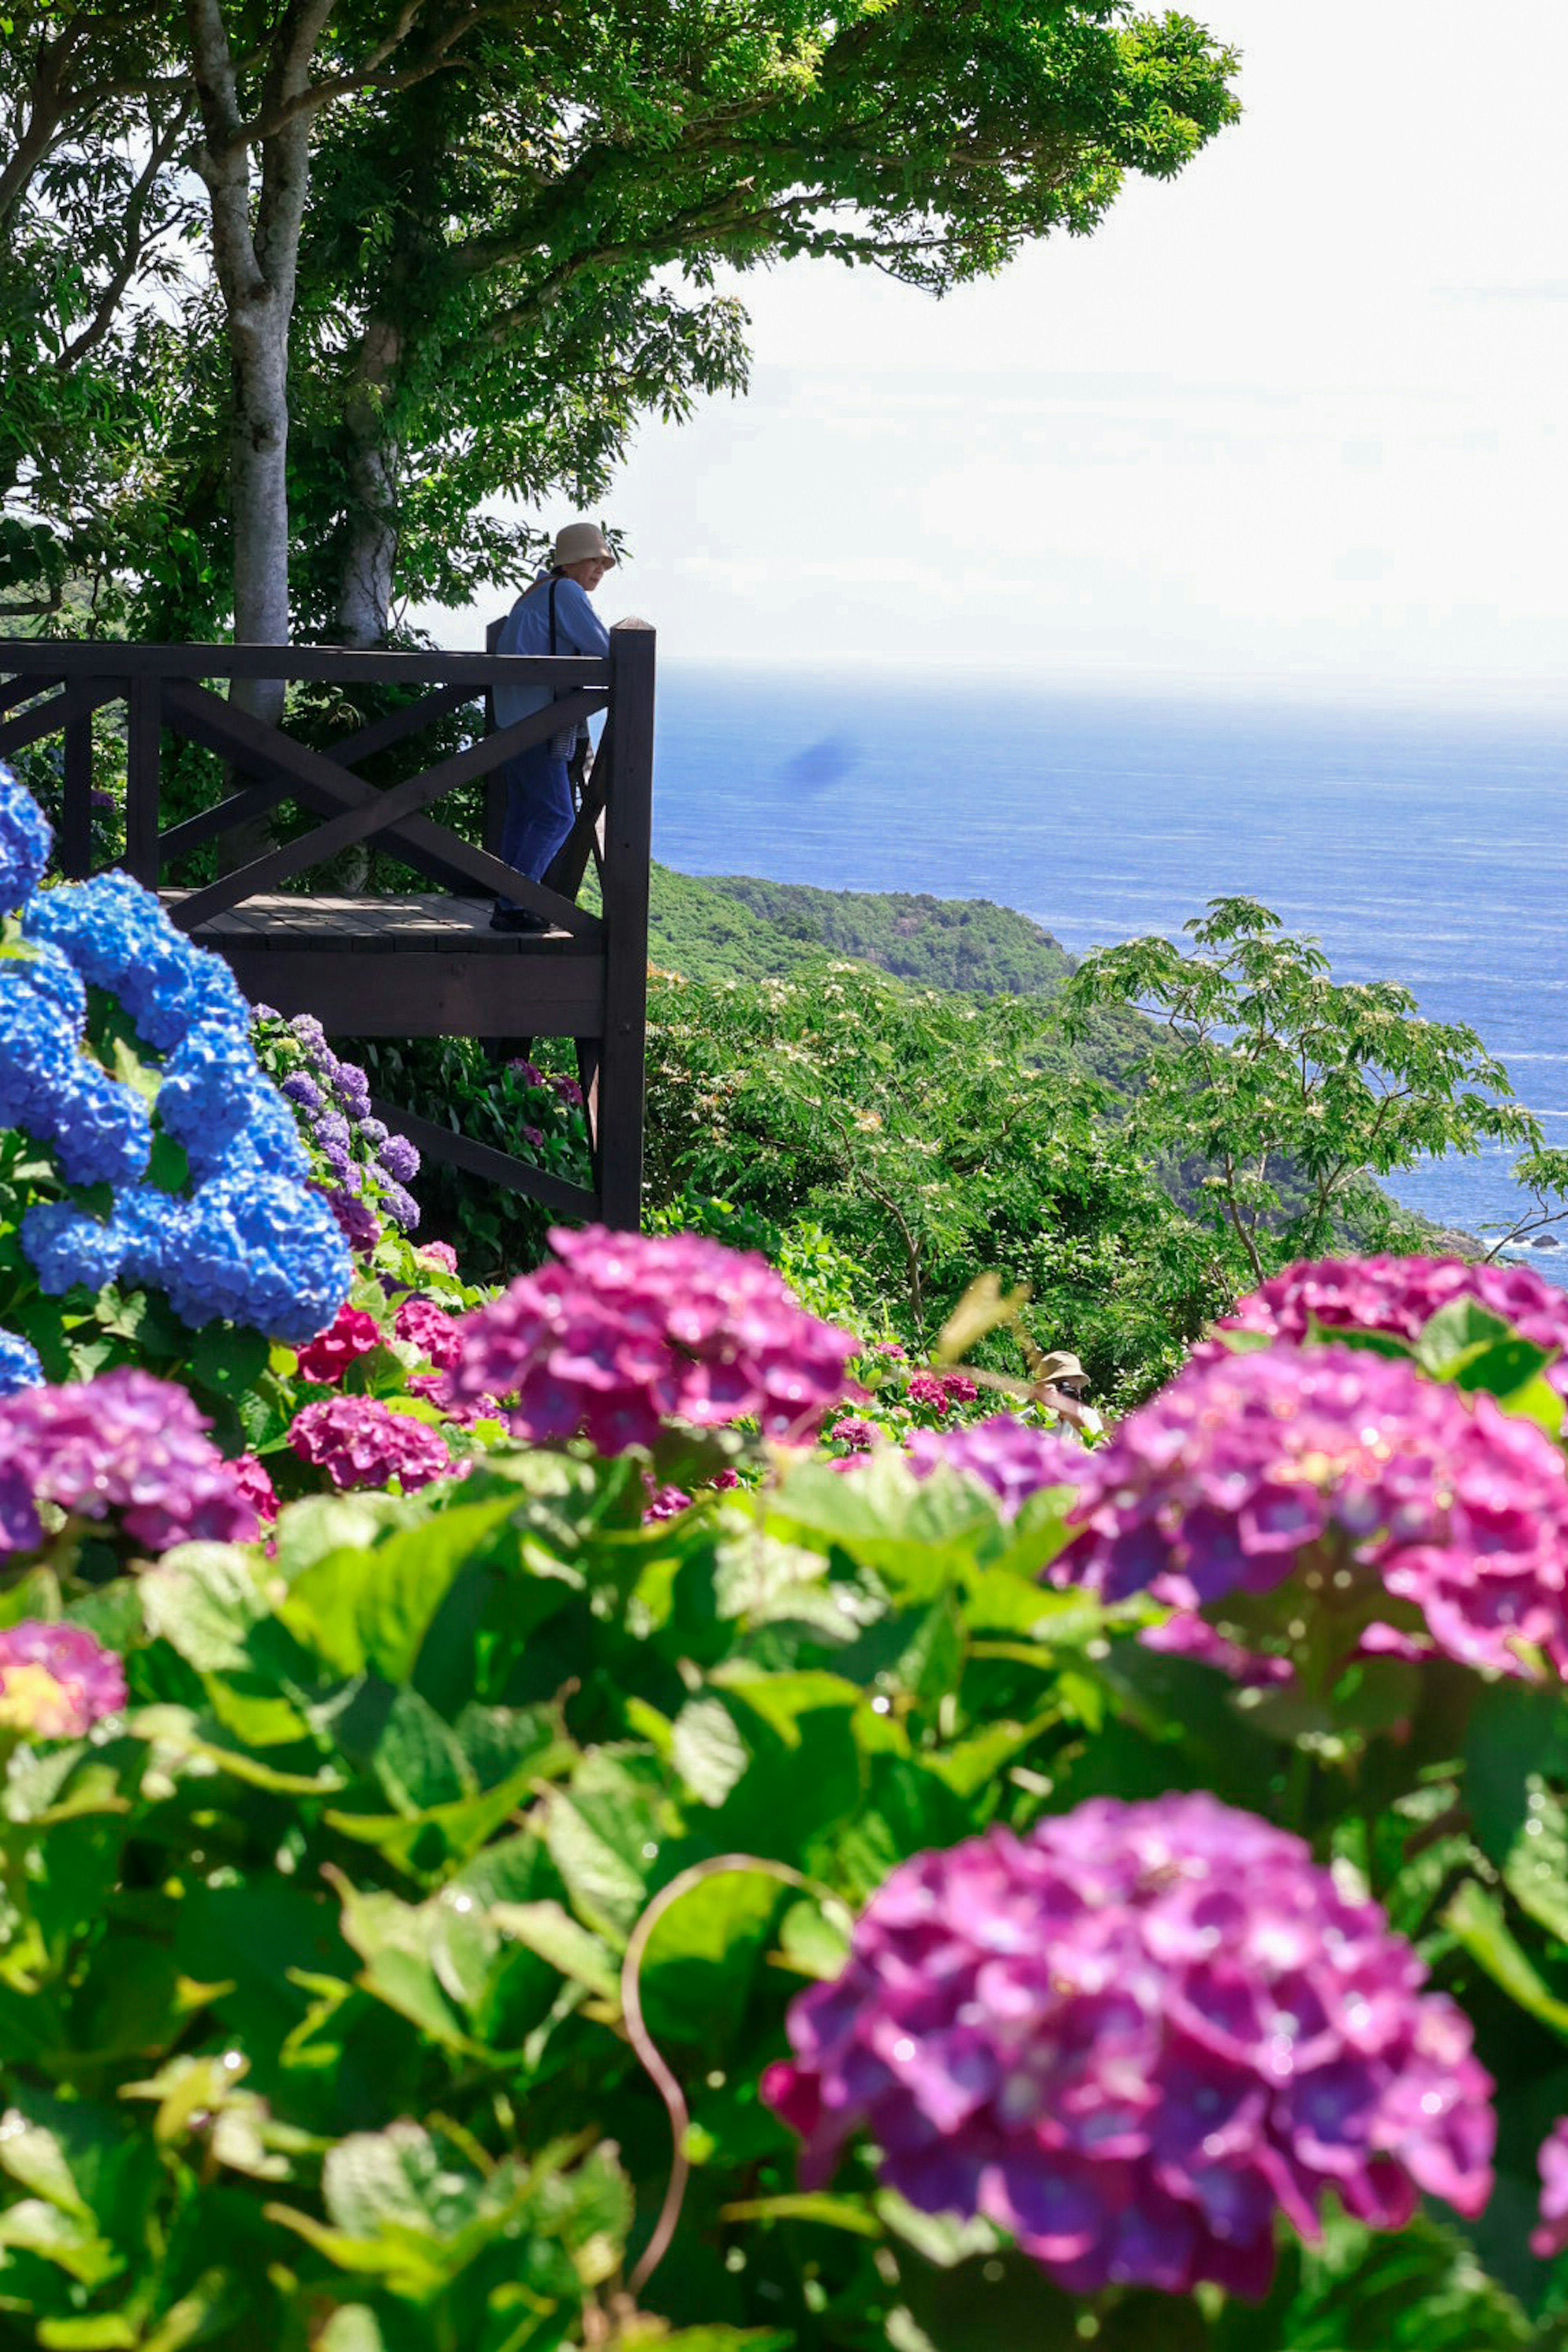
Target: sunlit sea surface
1427	850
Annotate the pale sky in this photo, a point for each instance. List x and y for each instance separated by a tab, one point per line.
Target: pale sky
1296	418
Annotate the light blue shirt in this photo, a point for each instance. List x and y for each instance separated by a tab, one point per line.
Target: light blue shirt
526	630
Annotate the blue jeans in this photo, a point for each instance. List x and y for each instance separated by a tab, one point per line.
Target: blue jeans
539	812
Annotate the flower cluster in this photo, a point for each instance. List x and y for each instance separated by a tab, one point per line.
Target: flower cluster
330	1354
625	1331
25	840
124	1441
1390	1489
1551	2236
359	1442
19	1365
1132	2039
57	1681
1399	1296
1011	1458
247	1165
437	1335
367	1169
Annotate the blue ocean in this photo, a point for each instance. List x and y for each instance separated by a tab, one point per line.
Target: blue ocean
1430	849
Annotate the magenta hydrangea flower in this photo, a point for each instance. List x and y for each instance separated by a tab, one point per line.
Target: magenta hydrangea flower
927	1389
437	1335
57	1681
664	1502
326	1357
1399	1295
855	1432
1132	2039
625	1331
254	1482
959	1388
1421	1517
359	1442
1011	1458
126	1442
1551	2236
440	1254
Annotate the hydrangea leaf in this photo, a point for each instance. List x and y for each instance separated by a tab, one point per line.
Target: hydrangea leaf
549	1931
1456	1335
1475	1919
371	1608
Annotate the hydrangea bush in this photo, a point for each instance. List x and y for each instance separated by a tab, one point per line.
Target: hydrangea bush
564	1863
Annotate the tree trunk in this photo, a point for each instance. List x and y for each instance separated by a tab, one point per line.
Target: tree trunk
370	540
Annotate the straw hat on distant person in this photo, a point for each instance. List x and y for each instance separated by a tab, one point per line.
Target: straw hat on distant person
581	542
1059	1367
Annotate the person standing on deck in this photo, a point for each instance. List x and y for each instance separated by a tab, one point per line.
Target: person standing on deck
552	616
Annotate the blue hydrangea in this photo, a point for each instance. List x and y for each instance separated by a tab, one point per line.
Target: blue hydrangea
54	977
100	1130
64	1246
120	939
259	1250
37	1049
153	1226
25	840
19	1365
268	1142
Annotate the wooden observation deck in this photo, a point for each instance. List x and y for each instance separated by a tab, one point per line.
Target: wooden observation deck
422	965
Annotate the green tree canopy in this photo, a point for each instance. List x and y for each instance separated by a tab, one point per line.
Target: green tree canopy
434	253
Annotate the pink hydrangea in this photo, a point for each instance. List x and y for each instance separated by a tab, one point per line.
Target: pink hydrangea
894	1352
437	1335
1398	1498
125	1442
927	1389
1133	2038
1551	2236
664	1502
958	1388
255	1483
57	1681
623	1332
1399	1295
439	1255
855	1432
325	1359
358	1442
1010	1456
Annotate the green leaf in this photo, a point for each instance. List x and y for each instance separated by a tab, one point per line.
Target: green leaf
707	1749
203	1599
1474	1919
552	1932
1457	1334
851	2213
371	1608
1536	1871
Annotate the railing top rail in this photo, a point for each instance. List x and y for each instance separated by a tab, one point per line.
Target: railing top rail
107	657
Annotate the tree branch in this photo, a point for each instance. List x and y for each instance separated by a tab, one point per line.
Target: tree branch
103	319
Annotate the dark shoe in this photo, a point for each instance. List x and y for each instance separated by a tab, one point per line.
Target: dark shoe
519	918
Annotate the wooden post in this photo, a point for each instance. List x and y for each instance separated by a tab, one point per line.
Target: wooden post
144	724
629	832
75	814
495	782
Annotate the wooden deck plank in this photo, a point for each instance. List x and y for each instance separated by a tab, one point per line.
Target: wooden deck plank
455	994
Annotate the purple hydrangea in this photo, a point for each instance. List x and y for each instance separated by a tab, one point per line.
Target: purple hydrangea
124	1441
356	1220
1551	2236
301	1088
1399	1498
400	1205
1010	1456
398	1156
1133	2038
57	1681
1399	1295
625	1331
358	1442
25	839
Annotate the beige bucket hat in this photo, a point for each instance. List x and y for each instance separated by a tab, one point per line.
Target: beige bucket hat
579	542
1059	1366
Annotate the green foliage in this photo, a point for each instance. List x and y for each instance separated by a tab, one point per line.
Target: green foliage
1284	1090
736	927
926	1135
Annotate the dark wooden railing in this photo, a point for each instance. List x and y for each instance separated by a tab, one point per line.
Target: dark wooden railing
388	966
